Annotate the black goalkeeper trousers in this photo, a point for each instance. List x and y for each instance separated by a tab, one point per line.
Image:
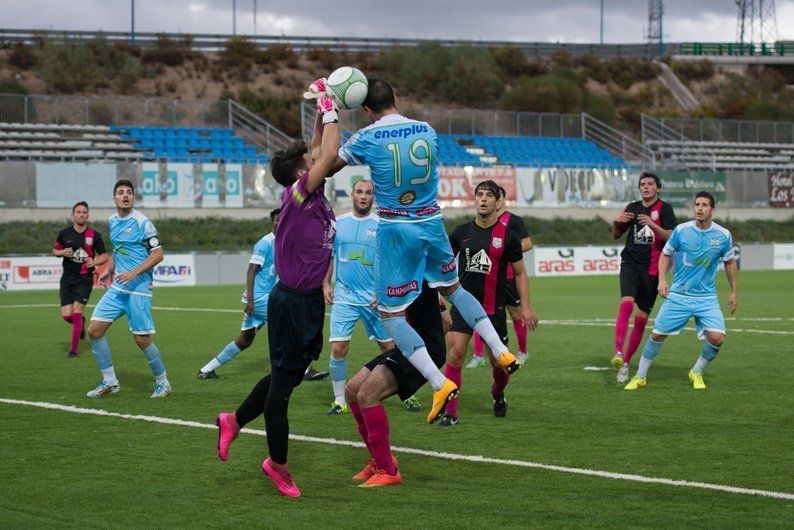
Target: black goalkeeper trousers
270	397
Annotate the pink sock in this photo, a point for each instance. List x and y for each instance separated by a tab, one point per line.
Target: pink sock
478	343
622	324
377	424
521	335
454	374
77	328
500	380
635	338
362	427
67	318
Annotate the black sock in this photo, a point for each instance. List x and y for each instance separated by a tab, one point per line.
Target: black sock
254	404
276	421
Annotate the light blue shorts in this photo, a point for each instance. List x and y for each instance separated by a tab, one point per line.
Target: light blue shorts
138	309
407	254
258	319
344	317
677	310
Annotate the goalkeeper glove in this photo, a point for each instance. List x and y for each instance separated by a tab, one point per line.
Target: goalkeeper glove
316	90
327	107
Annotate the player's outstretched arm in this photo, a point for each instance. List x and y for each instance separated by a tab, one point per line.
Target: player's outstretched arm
522	284
329	145
732	272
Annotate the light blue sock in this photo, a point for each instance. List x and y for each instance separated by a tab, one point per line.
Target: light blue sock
155	363
473	313
404	336
228	353
101	351
649	353
413	348
338	369
469	308
707	354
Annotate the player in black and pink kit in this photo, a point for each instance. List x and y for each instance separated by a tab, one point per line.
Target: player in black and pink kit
512	301
485	247
649	222
82	249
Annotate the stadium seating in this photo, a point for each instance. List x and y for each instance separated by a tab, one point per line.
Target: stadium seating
191	144
523	151
724	155
25	141
63	142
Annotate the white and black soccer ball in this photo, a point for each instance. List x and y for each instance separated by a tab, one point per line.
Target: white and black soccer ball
348	86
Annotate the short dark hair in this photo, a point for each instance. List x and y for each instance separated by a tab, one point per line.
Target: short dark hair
705	195
285	164
649	175
488	185
502	192
380	95
274	213
121	183
81	203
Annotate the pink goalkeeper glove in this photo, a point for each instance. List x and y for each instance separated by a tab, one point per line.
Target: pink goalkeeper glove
327	107
315	90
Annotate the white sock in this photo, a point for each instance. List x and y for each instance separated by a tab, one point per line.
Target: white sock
162	379
700	364
339	391
109	376
491	337
421	360
210	366
642	371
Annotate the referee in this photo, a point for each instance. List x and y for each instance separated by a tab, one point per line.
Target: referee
296	309
82	250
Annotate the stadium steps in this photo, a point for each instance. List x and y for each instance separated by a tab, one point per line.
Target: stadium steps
723	155
21	141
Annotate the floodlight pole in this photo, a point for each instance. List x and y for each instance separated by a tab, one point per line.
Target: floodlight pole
254	18
234	17
661	29
602	22
132	22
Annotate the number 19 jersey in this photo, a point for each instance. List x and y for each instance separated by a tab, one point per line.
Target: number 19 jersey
402	155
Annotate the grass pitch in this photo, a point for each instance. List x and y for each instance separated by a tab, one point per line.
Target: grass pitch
63	469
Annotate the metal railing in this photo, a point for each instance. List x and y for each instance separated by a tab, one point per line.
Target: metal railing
256	130
616	142
467	121
216	41
736	49
706	130
115	110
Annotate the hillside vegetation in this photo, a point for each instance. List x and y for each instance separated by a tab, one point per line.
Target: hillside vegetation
270	81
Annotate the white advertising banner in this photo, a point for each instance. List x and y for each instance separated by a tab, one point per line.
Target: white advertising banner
61	184
577	261
178	186
783	256
44	272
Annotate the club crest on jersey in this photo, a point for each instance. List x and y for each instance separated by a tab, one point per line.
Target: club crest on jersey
127	230
89	241
371	232
497	242
655	215
714	241
407	198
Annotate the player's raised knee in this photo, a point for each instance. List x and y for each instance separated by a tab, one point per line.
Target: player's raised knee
716	339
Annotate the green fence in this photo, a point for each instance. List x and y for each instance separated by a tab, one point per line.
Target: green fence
737	49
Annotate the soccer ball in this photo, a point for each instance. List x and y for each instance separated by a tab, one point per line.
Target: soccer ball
348	86
79	256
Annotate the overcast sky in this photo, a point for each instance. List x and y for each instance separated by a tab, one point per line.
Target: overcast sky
516	20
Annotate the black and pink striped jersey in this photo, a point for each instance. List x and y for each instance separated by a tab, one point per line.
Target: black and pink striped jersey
483	257
643	245
87	243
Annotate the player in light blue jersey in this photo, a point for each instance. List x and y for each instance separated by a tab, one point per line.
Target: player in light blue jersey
351	299
412	243
700	246
136	251
260	279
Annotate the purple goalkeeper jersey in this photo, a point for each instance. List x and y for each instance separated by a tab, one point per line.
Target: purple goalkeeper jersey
305	236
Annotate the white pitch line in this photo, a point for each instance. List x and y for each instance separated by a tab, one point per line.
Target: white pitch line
421	452
599	322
